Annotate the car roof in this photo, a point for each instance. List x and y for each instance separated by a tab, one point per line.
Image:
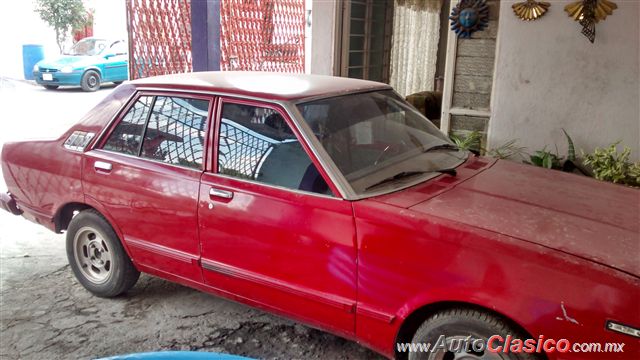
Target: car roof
268	85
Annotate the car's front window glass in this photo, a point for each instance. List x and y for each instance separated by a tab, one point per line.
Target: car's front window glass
126	137
374	136
88	47
176	131
257	144
118	48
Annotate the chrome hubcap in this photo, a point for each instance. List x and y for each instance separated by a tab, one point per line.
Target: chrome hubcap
458	352
92	255
92	81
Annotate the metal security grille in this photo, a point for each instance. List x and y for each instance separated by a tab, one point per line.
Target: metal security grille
159	37
262	35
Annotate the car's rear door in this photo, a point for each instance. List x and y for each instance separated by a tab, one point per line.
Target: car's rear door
145	174
271	229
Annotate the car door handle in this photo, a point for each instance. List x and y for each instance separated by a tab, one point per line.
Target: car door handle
102	166
224	194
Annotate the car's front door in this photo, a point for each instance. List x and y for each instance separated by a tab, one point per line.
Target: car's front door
146	174
116	62
271	230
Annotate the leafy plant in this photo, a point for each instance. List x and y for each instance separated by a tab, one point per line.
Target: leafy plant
610	165
571	150
506	150
469	142
550	160
546	159
62	16
633	175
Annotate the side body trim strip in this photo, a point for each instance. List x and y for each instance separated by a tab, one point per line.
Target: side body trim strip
318	296
162	250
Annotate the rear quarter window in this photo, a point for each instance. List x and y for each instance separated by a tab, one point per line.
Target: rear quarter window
127	136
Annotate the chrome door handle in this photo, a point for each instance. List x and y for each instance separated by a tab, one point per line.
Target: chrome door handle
101	165
213	192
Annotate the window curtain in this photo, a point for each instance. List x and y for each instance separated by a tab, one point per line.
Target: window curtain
416	31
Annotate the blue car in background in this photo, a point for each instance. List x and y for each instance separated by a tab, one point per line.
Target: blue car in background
89	63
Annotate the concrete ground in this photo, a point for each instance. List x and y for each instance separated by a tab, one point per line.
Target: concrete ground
45	313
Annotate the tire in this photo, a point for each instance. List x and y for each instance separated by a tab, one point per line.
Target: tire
50	87
90	81
97	257
460	324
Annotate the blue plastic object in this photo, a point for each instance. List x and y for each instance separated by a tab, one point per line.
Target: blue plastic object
177	355
31	54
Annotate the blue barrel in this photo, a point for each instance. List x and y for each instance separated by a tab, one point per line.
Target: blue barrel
31	54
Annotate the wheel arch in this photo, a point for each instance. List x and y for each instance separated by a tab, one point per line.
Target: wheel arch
94	68
413	321
65	213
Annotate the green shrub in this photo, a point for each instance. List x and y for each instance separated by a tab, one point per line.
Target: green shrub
609	165
546	159
471	141
549	160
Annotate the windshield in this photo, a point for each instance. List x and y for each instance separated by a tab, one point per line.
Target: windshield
375	137
87	47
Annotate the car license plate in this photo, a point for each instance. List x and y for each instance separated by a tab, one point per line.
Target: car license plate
47	77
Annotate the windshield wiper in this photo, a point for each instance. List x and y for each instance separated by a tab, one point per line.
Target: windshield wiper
444	146
400	175
449	171
395	177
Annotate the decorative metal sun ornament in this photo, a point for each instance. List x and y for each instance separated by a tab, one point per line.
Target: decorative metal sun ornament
530	9
590	12
469	16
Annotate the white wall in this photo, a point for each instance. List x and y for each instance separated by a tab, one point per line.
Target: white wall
110	19
323	31
549	76
19	25
308	8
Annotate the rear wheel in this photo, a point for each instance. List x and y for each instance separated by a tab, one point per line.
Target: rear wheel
452	332
97	257
50	87
90	81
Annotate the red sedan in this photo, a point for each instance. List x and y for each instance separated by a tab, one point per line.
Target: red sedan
333	202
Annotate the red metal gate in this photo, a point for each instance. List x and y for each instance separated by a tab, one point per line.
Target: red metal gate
159	37
264	35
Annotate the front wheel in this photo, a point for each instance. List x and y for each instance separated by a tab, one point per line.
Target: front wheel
463	334
90	81
97	257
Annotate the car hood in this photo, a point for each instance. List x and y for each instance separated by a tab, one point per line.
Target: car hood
578	215
64	60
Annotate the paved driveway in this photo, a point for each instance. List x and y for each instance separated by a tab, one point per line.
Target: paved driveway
45	313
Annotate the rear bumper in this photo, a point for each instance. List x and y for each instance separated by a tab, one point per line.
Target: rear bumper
8	203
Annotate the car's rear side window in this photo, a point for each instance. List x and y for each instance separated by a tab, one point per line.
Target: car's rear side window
257	144
176	131
126	137
170	129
